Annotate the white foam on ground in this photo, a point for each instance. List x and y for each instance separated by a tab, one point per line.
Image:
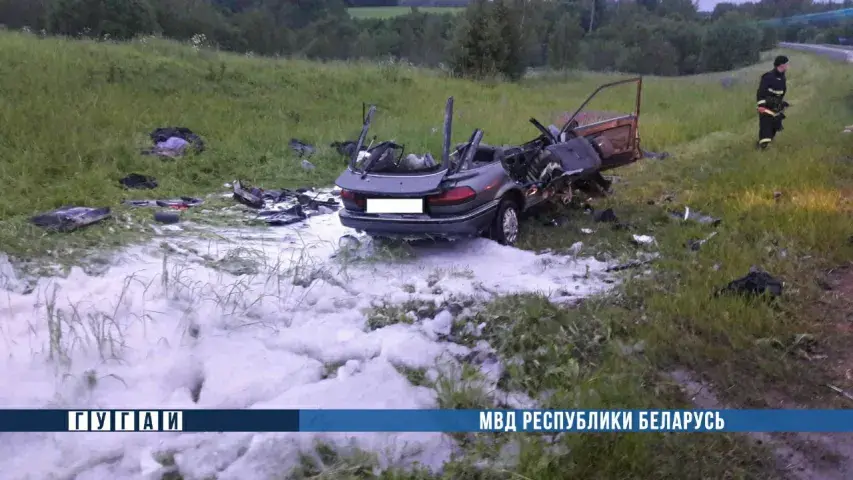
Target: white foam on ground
256	340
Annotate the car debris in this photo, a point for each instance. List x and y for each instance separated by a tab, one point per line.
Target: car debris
138	181
656	155
306	165
347	148
606	216
173	142
477	188
70	218
755	283
167	217
695	216
632	264
302	148
181	203
643	239
285	207
696	244
848	129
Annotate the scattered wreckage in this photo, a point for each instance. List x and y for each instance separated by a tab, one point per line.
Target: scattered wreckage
478	188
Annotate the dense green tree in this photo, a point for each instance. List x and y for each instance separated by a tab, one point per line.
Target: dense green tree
565	42
730	43
119	19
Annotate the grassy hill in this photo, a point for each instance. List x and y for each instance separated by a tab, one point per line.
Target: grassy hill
75	115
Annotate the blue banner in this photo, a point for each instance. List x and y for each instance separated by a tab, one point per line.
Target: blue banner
426	420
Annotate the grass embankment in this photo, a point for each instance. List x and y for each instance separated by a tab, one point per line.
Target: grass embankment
75	115
390	12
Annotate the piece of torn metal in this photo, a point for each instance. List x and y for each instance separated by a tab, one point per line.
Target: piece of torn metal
698	217
285	207
69	218
643	239
696	244
181	203
627	265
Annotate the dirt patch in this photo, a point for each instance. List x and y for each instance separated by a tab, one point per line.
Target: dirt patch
799	456
812	456
835	308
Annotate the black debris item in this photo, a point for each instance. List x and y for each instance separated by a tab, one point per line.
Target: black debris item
312	202
755	283
302	148
167	217
181	203
695	244
558	222
249	196
606	216
284	207
69	218
626	266
347	147
139	182
656	155
141	203
172	142
294	214
698	217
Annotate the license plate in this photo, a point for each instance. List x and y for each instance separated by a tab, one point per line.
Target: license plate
395	205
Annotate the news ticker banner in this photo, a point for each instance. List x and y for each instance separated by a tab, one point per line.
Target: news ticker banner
31	420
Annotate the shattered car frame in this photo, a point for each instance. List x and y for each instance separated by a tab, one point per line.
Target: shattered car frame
477	188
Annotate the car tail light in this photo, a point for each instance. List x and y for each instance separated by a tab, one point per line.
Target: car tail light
453	196
353	197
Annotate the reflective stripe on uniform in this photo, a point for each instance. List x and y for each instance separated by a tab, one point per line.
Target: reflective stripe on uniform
762	102
776	92
765	140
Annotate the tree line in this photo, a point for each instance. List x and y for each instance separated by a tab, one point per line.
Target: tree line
490	37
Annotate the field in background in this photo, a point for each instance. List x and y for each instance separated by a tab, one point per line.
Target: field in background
76	114
389	12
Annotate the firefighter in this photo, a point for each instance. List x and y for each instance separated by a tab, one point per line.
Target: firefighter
771	104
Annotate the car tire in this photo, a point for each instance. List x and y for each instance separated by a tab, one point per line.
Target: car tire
505	226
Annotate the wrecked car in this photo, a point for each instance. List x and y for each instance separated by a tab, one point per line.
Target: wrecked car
477	188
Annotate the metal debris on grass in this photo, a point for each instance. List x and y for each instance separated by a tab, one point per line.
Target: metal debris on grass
695	216
69	218
285	207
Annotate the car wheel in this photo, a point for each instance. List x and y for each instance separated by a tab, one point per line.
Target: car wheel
505	226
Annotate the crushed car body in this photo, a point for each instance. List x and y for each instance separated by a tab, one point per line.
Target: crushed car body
477	188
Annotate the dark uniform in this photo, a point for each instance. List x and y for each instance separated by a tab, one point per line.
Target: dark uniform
771	103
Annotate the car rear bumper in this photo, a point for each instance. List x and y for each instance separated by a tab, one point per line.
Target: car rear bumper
469	223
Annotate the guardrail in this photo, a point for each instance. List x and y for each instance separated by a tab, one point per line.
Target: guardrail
835	53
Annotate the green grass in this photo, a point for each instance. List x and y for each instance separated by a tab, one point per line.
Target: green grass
75	114
390	12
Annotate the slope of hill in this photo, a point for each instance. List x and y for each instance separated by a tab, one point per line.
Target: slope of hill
76	114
